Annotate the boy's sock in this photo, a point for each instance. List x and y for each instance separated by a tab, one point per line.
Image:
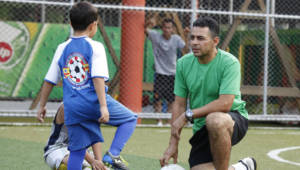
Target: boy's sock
123	133
75	160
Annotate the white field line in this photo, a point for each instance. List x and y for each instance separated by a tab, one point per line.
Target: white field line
273	128
31	57
274	154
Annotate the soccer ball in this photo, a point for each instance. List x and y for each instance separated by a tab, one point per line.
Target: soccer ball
172	167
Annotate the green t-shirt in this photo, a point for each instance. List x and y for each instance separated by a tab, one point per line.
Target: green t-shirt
203	83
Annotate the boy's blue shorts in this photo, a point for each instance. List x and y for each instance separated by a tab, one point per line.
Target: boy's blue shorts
84	134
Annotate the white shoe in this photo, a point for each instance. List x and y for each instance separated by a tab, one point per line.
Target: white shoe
250	163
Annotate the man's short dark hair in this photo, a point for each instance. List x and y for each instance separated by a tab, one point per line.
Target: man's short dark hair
210	23
82	15
168	20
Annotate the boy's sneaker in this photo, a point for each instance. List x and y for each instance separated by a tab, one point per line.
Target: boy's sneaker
115	162
250	163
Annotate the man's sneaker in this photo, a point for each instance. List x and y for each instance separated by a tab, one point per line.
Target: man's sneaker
115	162
250	163
160	124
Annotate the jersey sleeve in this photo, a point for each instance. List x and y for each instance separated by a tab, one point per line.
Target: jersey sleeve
53	75
99	63
231	79
180	88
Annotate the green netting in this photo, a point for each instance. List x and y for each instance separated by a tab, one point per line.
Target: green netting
252	42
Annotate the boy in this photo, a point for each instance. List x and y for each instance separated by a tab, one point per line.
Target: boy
56	152
82	64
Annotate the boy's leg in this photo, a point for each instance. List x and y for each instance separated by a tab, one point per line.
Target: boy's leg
76	158
125	121
122	135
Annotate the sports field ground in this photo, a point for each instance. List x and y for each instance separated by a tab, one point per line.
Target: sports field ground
22	147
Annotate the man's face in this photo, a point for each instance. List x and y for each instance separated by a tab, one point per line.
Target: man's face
167	29
202	42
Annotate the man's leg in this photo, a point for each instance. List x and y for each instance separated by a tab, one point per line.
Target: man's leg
220	129
204	166
201	156
157	107
158	91
170	110
238	166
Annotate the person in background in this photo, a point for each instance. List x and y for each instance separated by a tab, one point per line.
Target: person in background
165	46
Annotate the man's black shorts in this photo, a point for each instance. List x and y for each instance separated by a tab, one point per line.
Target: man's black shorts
164	87
200	152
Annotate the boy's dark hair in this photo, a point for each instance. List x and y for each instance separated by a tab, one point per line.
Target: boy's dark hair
82	15
210	23
168	20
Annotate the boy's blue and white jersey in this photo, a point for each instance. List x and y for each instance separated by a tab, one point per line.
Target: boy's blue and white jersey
77	61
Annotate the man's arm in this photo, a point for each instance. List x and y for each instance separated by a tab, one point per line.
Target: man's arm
172	150
178	108
46	90
148	25
186	39
222	104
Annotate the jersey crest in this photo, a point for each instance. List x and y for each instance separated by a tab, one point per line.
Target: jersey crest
76	69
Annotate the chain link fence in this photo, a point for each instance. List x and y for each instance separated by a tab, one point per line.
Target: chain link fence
262	34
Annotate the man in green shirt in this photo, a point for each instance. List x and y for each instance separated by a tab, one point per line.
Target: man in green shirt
210	78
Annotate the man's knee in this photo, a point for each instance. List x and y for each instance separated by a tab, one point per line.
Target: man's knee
204	166
217	122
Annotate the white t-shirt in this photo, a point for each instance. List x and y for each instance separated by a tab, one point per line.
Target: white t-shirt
165	52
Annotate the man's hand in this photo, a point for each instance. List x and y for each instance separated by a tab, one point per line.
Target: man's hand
98	165
104	115
171	152
150	23
41	114
177	125
186	31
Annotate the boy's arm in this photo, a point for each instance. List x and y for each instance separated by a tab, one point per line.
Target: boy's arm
46	90
100	90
